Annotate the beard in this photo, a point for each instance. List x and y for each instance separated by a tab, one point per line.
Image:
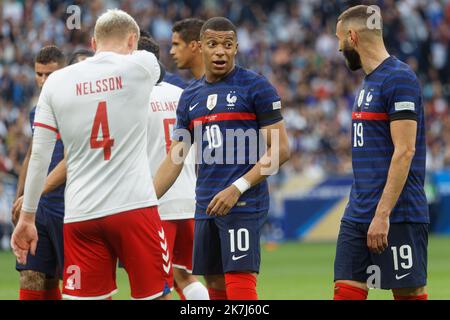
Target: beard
352	58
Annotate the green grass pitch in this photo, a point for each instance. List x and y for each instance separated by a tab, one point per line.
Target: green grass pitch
289	271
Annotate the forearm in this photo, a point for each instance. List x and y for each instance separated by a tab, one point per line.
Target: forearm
43	144
166	176
397	175
269	164
23	174
56	178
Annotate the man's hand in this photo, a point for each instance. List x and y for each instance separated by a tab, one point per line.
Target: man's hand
222	203
17	207
25	237
377	236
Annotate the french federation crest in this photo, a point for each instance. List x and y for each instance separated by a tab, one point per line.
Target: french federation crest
212	101
361	97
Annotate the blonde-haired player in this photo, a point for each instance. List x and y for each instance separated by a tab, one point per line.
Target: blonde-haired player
99	110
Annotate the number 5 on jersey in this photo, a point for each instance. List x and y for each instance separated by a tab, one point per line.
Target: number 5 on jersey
104	141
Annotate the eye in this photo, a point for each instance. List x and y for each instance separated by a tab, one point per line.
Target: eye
39	74
211	44
229	45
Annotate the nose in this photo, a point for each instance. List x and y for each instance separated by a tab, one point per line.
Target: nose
172	51
220	52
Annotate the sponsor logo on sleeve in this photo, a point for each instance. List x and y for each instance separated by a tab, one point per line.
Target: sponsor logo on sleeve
404	105
276	105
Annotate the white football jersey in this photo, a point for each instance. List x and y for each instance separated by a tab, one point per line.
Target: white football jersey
100	108
179	201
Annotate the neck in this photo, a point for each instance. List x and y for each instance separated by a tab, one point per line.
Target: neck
113	47
211	78
197	69
373	57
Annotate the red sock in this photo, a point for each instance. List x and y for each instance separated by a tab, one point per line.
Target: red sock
52	294
25	294
179	291
344	291
215	294
419	297
241	286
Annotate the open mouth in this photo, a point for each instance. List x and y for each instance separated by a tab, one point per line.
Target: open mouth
219	63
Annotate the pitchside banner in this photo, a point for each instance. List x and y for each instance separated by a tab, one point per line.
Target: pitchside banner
440	210
313	213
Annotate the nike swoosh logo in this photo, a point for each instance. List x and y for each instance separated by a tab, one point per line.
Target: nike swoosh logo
238	257
192	108
401	277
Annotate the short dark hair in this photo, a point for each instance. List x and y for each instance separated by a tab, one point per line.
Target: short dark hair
50	54
218	24
143	33
149	44
74	57
188	29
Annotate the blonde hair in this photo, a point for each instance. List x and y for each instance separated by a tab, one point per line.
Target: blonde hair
115	24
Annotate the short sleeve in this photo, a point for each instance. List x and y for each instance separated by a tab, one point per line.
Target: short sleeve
266	102
402	96
45	116
182	125
148	61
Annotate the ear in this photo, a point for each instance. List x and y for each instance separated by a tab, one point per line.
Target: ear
199	46
352	38
237	46
93	44
132	42
192	45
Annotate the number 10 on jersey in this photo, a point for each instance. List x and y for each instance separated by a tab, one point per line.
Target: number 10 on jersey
104	141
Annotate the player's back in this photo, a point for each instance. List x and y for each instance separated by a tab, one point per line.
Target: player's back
179	201
101	107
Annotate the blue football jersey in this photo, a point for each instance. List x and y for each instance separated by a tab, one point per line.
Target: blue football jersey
244	102
390	92
175	80
53	201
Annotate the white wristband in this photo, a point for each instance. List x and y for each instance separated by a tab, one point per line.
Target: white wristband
242	184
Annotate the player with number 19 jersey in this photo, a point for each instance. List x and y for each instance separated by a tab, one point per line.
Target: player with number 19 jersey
391	92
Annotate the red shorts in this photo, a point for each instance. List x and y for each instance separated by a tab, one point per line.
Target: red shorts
180	236
92	247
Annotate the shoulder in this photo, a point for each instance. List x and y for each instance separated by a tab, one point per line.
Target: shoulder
193	88
400	72
167	90
250	76
175	80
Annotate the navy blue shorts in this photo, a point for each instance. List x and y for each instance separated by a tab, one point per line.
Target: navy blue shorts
229	243
403	264
49	258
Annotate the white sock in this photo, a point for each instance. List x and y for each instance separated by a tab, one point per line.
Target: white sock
196	291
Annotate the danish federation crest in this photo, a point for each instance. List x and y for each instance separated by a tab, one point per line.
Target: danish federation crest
361	97
212	101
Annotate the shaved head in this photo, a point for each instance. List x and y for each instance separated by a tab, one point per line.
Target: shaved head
365	20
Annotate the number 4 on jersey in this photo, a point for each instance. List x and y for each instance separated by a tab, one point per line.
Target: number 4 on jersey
104	141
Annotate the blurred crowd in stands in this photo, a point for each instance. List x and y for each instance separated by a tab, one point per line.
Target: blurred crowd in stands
292	43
